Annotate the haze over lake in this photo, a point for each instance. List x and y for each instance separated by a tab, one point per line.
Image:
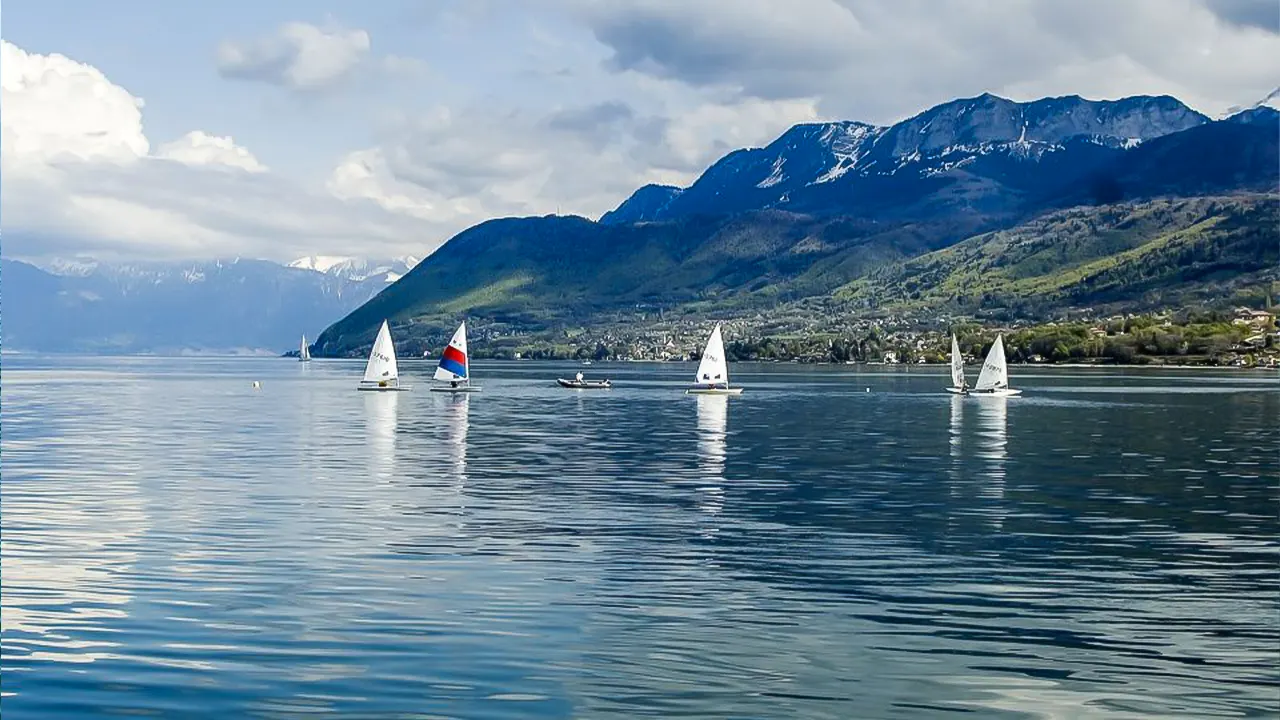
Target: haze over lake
179	544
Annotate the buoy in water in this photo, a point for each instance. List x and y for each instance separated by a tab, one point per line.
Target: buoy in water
256	384
868	389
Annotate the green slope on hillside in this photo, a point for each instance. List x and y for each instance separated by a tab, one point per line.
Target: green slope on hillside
1152	254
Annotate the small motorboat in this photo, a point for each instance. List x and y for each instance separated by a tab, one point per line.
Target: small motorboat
580	384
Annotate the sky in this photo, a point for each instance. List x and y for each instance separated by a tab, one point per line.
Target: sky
137	129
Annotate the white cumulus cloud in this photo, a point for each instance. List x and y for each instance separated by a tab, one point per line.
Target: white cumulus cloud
200	148
81	177
44	119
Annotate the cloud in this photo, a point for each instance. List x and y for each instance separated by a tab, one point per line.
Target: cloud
44	121
880	62
710	43
463	167
81	177
1261	14
299	55
199	148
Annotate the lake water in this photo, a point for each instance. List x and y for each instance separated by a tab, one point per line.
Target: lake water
178	544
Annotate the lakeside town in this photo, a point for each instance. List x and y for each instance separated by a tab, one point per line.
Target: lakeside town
1242	337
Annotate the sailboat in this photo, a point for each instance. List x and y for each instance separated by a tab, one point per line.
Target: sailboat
381	372
994	378
958	384
304	352
455	365
712	377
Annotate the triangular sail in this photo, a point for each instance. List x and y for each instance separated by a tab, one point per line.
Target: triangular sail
382	358
995	370
304	352
454	363
957	364
712	369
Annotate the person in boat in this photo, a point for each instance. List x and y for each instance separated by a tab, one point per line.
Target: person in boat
453	383
578	377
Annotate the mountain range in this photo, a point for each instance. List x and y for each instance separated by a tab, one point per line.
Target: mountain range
219	306
828	205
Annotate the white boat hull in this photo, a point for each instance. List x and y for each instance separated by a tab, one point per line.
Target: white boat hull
714	391
389	388
957	391
460	389
1006	392
584	384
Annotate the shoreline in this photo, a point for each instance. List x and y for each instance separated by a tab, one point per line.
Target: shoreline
240	356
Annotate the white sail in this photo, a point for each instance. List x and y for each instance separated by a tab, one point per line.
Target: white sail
713	370
455	364
304	352
957	364
995	370
382	359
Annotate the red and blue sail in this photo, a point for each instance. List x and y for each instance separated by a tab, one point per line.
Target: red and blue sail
454	360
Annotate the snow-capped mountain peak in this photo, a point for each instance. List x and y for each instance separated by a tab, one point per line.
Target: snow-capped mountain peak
320	263
815	166
357	269
70	267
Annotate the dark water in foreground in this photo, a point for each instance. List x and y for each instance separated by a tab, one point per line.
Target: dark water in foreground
177	544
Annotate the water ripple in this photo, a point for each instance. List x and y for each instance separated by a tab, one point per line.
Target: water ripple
179	544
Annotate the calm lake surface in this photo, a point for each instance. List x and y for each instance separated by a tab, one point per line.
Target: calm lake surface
178	544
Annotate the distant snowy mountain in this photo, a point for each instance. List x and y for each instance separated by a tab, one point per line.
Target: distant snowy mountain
83	305
992	151
357	269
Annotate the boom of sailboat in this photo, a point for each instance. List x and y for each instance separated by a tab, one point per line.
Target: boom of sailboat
453	371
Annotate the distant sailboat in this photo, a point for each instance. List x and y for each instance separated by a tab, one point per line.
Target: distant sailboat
304	352
958	384
381	372
455	365
712	377
994	378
